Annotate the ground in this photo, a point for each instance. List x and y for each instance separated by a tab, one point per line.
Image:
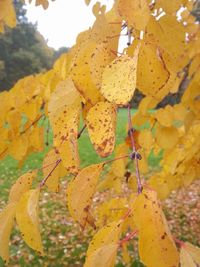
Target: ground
65	244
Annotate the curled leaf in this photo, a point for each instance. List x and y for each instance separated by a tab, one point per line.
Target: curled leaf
22	185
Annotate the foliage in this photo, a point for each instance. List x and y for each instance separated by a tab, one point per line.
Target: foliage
93	80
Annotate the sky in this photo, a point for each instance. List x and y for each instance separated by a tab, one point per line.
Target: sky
63	20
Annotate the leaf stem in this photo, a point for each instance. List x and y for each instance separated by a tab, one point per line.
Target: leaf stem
42	183
134	151
47	177
111	160
179	242
32	124
128	237
81	131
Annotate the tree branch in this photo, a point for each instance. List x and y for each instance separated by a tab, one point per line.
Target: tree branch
134	152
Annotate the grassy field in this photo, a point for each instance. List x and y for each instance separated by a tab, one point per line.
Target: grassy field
64	243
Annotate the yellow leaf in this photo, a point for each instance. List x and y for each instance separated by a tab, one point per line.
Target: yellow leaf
168	7
64	111
110	181
107	28
101	57
193	251
186	259
28	221
43	3
87	2
36	139
101	124
165	116
156	246
80	72
135	12
163	32
18	147
106	239
48	164
146	103
166	137
111	210
6	224
119	79
14	120
125	255
68	152
152	73
145	139
118	167
103	257
7	14
22	185
80	191
98	9
109	234
63	63
143	163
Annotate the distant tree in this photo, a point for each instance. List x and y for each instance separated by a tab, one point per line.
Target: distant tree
196	10
59	52
23	50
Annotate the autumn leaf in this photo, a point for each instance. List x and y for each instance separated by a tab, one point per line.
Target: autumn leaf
6	222
101	124
28	221
186	259
103	247
80	191
64	111
49	162
194	251
156	246
139	8
22	185
119	79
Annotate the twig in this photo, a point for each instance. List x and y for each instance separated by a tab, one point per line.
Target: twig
42	183
128	237
34	122
47	177
81	131
134	152
116	52
179	242
111	160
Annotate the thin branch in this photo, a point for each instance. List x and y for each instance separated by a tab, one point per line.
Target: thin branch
134	151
